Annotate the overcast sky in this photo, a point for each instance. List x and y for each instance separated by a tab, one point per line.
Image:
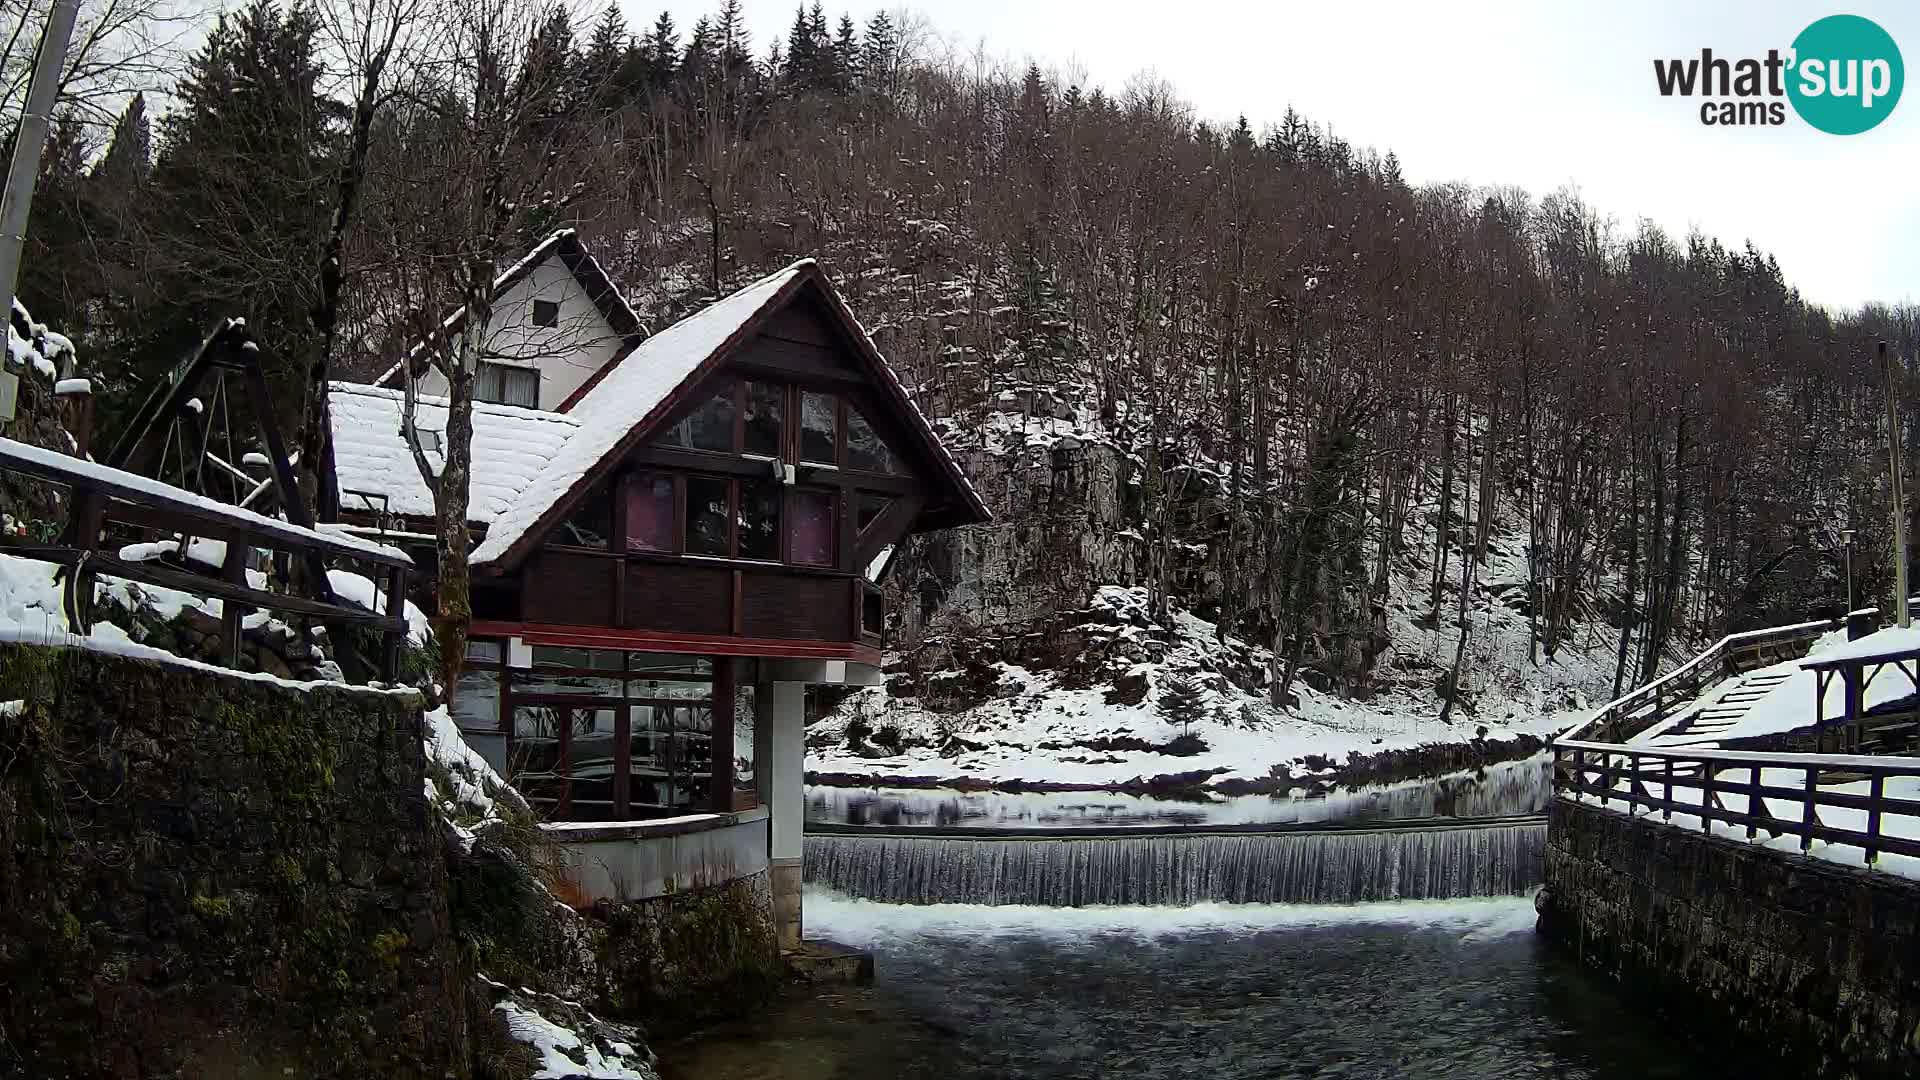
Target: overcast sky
1536	94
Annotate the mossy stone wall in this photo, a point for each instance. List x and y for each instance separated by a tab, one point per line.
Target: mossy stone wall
690	956
211	876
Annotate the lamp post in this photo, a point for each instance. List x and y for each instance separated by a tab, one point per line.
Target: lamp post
1846	552
16	198
1899	495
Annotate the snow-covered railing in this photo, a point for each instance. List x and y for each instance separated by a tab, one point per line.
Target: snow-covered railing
1634	712
1779	794
101	495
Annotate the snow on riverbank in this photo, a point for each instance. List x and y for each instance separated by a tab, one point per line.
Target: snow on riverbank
1036	727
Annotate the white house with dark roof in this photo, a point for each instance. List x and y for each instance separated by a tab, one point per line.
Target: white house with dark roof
666	554
557	320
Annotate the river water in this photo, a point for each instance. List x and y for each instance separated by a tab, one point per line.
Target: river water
1514	787
1408	990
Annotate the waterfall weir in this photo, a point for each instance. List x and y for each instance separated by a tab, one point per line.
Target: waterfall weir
1426	860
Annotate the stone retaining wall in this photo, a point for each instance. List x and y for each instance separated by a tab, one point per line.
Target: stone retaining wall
205	875
1809	965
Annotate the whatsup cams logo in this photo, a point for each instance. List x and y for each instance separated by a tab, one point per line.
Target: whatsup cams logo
1843	75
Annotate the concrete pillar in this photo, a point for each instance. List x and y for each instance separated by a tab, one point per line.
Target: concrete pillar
779	747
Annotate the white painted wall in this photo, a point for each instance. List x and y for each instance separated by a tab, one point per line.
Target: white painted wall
565	355
633	861
779	763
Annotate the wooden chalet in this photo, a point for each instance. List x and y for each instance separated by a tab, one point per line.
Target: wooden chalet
672	545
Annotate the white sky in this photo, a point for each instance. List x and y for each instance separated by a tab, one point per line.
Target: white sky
1536	94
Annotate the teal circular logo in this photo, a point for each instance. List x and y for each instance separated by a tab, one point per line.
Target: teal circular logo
1846	74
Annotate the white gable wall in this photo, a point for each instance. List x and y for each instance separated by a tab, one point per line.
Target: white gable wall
566	355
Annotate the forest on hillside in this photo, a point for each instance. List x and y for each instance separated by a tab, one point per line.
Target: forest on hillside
1312	373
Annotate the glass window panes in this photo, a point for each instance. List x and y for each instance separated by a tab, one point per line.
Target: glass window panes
810	529
650	512
672	757
707	499
760	519
766	403
590	763
484	650
590	521
503	384
816	427
591	659
865	449
743	738
546	682
476	700
711	425
669	663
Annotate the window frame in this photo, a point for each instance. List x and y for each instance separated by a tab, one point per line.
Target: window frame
506	370
509	699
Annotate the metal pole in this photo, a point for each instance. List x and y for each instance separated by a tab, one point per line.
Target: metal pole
1899	496
1847	553
16	201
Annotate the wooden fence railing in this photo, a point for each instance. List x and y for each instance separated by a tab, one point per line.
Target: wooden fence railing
1634	712
1733	787
102	496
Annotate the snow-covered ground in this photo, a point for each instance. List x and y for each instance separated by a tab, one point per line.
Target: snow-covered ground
1033	729
1789	702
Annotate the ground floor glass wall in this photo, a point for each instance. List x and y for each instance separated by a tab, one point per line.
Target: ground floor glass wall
609	735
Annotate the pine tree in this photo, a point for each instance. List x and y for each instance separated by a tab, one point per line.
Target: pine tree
661	51
606	58
233	225
1181	701
801	69
877	54
129	156
846	57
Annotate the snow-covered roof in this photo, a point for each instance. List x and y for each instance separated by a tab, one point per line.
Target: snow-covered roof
511	446
625	395
1892	641
630	394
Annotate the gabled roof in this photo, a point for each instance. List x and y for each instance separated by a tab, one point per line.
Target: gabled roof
625	400
511	446
566	246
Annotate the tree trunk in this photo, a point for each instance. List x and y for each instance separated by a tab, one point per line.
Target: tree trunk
454	612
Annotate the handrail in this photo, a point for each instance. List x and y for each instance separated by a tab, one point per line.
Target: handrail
1615	710
1610	772
101	494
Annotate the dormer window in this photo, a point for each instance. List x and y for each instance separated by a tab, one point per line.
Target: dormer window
546	313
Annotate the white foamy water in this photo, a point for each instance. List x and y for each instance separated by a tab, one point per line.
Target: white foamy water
867	923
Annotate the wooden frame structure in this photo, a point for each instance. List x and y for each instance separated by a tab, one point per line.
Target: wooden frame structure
103	496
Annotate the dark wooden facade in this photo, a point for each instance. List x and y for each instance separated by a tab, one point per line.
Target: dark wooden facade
805	421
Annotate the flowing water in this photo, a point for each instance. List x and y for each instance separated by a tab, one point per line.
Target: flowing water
1514	787
1411	991
1332	866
